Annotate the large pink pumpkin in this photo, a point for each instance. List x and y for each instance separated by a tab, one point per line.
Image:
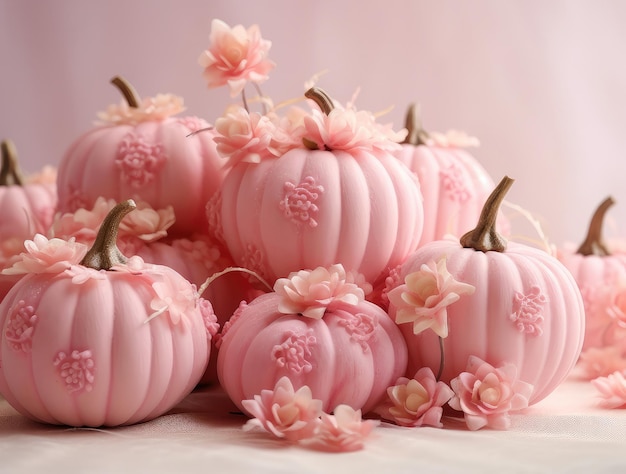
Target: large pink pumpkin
144	152
526	308
81	345
453	183
27	207
350	355
601	277
317	207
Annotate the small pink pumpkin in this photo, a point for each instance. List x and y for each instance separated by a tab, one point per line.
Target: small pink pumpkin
601	276
104	342
504	303
316	329
27	207
340	196
453	183
143	151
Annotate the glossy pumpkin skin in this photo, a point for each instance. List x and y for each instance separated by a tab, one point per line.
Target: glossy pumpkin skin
526	310
153	161
454	186
349	356
311	208
83	354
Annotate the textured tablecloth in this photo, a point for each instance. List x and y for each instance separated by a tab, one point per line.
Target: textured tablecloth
566	432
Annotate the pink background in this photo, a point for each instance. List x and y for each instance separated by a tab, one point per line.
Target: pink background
541	84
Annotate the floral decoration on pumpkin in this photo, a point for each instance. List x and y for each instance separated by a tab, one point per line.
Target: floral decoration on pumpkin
425	295
47	256
487	395
311	293
154	108
294	415
176	296
416	402
612	390
284	412
235	56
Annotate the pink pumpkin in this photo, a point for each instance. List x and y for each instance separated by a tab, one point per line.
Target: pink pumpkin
504	303
317	330
102	342
601	277
143	152
27	207
342	198
453	183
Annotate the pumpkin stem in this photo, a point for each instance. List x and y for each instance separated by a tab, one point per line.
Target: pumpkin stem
413	123
10	173
593	243
127	90
104	253
485	237
321	98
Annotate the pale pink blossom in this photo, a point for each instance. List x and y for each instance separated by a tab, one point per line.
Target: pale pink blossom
146	223
176	296
243	136
154	108
47	256
81	274
83	224
235	56
601	361
135	265
289	130
452	139
424	297
487	395
612	390
343	431
417	401
311	292
348	130
284	412
47	175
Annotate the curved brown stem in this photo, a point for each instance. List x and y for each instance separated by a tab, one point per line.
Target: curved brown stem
593	244
485	237
321	98
10	173
412	122
127	90
442	359
104	253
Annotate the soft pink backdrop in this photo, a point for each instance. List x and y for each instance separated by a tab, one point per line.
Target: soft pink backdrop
542	84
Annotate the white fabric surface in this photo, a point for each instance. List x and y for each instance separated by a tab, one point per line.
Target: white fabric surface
567	432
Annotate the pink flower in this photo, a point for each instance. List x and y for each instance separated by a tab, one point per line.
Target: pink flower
83	224
487	395
348	130
176	296
146	223
244	137
285	413
311	292
612	390
47	256
343	431
425	295
418	401
235	56
47	175
9	251
453	139
159	107
602	361
81	274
